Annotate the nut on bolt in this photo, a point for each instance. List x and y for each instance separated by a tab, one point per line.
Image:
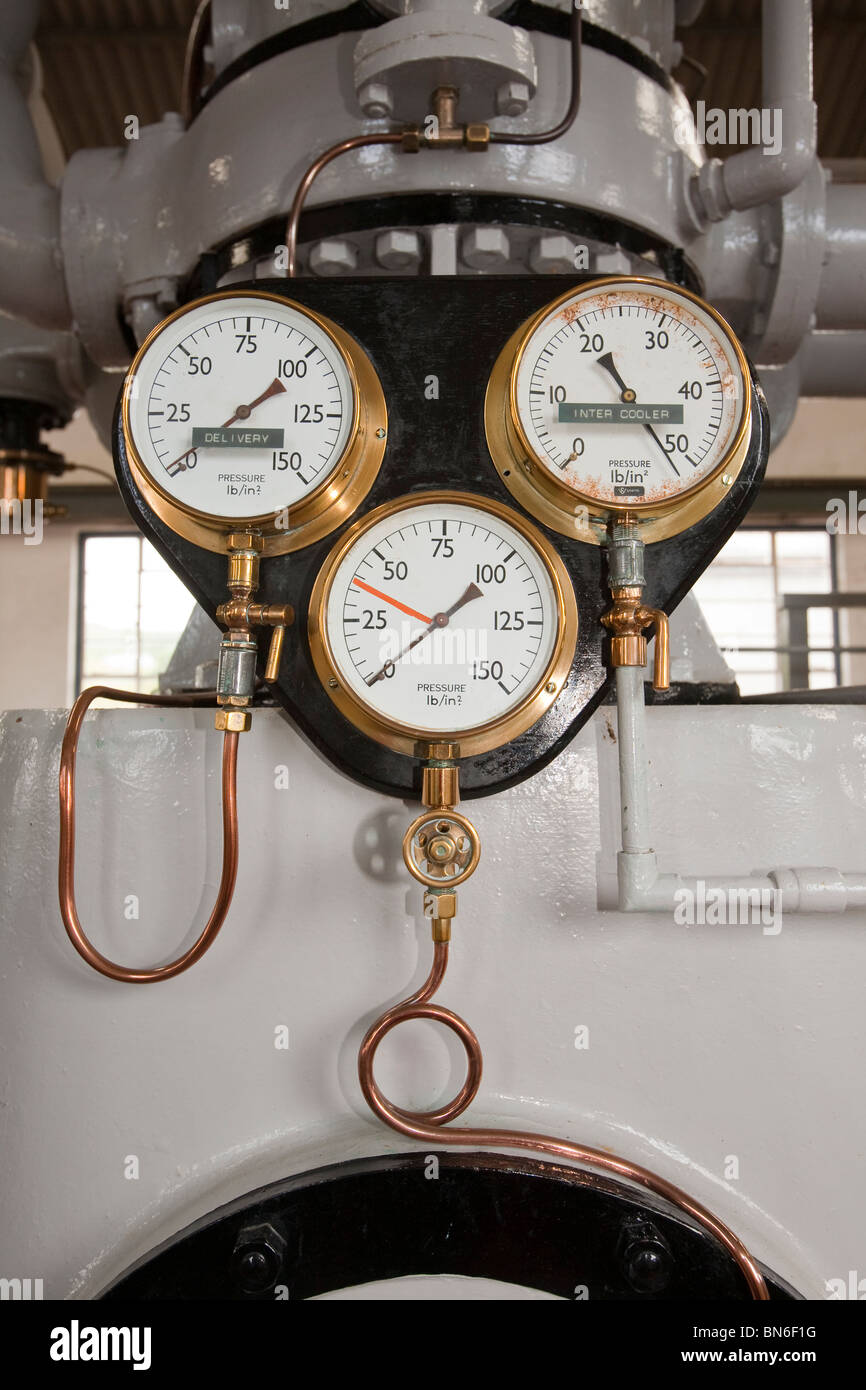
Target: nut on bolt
333	257
375	100
232	721
512	98
398	249
258	1257
485	248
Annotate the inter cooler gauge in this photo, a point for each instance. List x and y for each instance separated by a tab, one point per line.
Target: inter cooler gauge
445	617
625	398
248	410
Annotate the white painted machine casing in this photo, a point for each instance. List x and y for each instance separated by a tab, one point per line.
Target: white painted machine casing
704	1042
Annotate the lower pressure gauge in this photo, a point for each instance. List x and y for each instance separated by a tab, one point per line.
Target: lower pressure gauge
625	398
443	617
246	410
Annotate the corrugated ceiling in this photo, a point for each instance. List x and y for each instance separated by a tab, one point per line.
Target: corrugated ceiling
106	59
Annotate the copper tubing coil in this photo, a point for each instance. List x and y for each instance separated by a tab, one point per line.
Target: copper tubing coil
395	137
425	1125
66	868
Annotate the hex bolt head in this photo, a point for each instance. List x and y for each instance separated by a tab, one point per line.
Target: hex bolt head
486	248
512	98
398	250
333	257
552	255
612	263
258	1257
375	100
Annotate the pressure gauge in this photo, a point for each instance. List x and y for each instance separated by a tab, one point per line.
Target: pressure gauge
246	410
625	398
445	617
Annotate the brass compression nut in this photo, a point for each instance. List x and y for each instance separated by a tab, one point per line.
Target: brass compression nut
232	721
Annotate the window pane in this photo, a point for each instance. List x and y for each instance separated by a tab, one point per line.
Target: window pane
133	610
740	596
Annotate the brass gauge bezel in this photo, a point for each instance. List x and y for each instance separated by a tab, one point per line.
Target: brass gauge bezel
335	498
403	738
567	510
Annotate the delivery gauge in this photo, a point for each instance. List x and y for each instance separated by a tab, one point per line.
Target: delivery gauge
443	617
246	410
624	398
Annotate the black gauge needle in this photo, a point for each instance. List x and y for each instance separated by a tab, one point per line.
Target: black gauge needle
627	396
439	620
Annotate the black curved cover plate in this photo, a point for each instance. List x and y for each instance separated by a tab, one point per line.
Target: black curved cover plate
540	1225
454	329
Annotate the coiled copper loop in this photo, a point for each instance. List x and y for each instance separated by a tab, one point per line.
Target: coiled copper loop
66	874
426	1125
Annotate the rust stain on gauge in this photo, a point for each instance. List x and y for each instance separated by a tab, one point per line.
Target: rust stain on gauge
601	491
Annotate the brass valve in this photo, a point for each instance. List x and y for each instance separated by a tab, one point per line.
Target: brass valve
627	621
239	615
441	848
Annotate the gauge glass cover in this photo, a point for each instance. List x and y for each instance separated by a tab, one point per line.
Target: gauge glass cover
630	393
443	616
240	406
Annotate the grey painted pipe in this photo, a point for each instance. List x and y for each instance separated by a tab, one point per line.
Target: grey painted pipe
32	284
751	178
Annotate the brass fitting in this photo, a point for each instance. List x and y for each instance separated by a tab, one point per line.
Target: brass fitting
440	786
626	621
477	137
238	652
440	905
244	551
449	134
232	721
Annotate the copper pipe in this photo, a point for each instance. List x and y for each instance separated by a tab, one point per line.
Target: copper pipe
425	1125
193	63
66	867
355	142
544	137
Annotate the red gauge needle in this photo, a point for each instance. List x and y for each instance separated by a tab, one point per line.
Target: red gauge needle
440	620
242	412
394	602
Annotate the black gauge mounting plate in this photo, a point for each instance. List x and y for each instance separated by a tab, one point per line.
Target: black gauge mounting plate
433	343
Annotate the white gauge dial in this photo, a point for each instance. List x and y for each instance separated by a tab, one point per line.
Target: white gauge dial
441	616
630	393
240	406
